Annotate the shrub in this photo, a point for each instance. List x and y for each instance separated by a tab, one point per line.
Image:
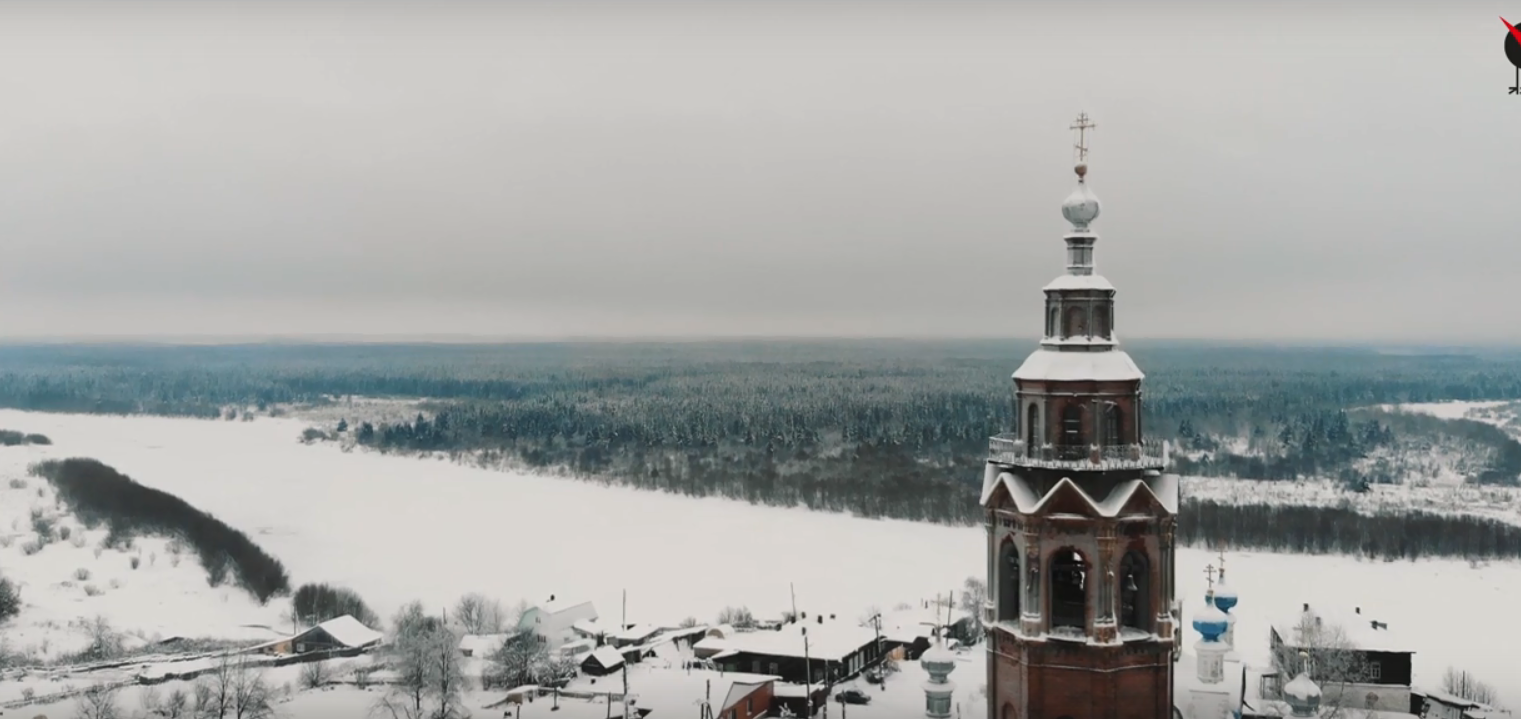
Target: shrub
10	600
92	590
314	675
98	492
82	574
136	561
64	532
42	524
317	603
18	483
31	547
78	541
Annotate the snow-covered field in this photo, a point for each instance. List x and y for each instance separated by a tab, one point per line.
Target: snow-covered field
398	529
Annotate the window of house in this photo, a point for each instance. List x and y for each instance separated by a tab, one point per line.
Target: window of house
749	705
1375	672
773	668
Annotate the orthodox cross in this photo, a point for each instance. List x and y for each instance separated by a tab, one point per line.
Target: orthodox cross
1222	564
1083	126
1209	571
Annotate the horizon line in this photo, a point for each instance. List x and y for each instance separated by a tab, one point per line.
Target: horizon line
339	338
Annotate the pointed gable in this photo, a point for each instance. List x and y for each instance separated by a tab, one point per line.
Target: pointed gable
1066	498
1010	488
1141	500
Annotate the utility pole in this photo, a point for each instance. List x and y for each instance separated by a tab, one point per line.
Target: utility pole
793	589
622	628
807	674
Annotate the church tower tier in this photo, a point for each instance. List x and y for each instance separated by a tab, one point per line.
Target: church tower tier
1080	517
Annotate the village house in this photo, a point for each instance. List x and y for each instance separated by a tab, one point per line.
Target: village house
553	621
1441	705
1362	664
913	629
339	634
801	652
602	661
666	692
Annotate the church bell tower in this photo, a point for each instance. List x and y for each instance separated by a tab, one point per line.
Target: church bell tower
1080	516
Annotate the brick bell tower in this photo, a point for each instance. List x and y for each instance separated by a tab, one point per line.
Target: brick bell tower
1080	517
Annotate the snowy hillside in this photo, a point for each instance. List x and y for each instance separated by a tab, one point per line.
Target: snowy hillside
397	529
151	590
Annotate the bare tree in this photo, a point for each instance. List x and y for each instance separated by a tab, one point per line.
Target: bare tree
314	675
737	617
98	702
974	593
429	682
233	689
479	614
1459	682
105	642
176	705
520	660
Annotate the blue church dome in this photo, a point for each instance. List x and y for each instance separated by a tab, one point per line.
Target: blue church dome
1210	621
1225	597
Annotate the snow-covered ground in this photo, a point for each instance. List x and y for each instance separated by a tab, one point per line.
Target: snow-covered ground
1499	503
397	529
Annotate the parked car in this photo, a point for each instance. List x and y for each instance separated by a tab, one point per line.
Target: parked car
873	675
852	696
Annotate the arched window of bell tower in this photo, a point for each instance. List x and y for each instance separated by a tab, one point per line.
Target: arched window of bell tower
1135	592
1077	322
1072	426
1101	322
1113	425
1008	582
1069	576
1051	316
1032	429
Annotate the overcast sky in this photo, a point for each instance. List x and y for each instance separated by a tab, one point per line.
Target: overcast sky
1274	171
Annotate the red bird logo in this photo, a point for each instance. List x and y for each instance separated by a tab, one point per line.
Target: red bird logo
1513	52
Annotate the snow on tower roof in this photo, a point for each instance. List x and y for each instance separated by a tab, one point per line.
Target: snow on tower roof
1163	487
1110	366
1079	282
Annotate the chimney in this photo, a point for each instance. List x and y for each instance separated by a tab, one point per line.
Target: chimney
1307	606
1317	621
1359	610
551	597
821	619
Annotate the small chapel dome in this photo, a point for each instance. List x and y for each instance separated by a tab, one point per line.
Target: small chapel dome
1225	597
1210	621
1302	695
1081	207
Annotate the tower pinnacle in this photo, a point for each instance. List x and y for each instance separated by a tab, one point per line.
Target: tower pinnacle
1083	125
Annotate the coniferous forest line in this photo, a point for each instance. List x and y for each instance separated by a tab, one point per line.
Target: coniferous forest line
877	428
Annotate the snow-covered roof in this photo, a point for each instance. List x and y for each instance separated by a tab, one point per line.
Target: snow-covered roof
482	644
830	641
607	656
1079	282
589	627
1357	625
347	631
1100	366
1161	487
582	610
637	633
908	625
679	692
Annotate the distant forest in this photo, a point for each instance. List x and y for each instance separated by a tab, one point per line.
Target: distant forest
879	428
